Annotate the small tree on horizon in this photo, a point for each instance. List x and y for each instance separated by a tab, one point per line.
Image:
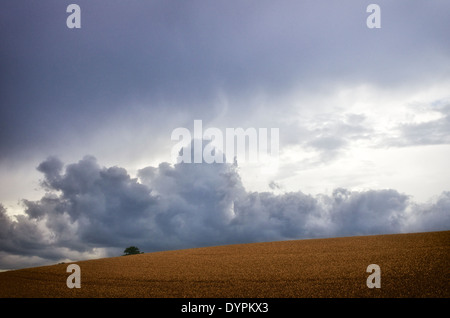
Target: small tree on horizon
131	250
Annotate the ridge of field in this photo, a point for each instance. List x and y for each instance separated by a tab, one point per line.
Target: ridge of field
412	265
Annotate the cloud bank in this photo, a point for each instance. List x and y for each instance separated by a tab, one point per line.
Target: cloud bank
92	211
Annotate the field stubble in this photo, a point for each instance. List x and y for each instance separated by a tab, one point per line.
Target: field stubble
412	265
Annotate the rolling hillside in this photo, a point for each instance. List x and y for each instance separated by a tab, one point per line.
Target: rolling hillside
412	265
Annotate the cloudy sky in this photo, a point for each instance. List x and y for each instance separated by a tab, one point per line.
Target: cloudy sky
86	117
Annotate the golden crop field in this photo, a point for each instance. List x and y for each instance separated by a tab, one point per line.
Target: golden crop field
411	265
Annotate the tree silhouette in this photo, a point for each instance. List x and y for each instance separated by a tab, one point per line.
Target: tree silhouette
131	250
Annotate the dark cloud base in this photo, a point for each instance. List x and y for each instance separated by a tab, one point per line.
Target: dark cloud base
91	211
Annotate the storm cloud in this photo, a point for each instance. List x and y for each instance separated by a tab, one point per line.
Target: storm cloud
92	211
163	56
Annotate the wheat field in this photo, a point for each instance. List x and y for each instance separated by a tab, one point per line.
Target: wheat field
412	265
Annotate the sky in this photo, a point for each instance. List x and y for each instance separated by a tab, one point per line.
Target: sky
86	117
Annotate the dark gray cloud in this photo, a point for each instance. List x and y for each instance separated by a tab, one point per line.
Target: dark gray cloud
89	208
60	84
